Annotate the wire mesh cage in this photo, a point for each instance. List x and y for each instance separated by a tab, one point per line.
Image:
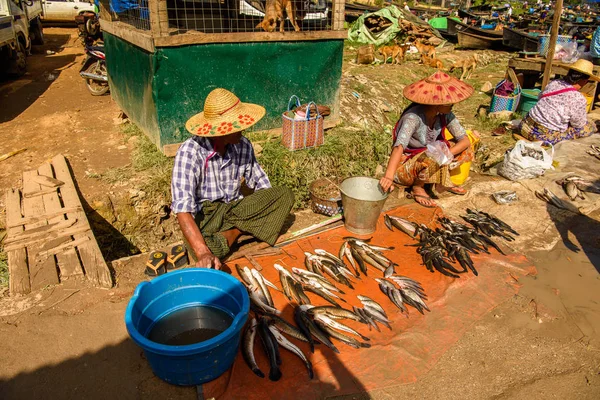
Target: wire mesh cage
226	16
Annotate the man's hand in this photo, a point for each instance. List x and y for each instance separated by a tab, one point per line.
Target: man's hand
386	184
208	260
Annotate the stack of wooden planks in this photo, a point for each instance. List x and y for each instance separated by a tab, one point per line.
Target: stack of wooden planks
49	238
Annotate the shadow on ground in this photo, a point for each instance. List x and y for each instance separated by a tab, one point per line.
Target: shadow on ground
24	91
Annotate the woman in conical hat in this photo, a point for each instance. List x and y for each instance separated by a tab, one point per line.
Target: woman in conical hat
207	179
421	124
561	111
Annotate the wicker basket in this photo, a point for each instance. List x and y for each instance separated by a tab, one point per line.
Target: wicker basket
329	207
506	103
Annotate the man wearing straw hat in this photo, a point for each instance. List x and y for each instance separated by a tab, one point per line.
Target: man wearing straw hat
207	177
561	111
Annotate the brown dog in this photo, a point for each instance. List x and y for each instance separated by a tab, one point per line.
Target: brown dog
432	61
396	52
426	50
274	11
468	65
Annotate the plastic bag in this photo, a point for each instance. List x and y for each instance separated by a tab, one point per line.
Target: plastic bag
526	160
568	52
505	197
440	152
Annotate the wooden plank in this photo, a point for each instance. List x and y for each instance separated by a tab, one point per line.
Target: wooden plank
552	42
94	265
57	236
41	273
163	17
245	37
42	230
40	192
170	150
127	32
17	259
154	21
37	218
68	263
338	15
64	246
48	181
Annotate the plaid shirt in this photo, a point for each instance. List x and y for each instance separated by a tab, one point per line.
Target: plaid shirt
200	174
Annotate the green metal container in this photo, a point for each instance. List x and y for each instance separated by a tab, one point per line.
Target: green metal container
160	90
529	98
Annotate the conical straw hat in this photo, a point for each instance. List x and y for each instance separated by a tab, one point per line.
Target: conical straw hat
585	67
439	89
224	114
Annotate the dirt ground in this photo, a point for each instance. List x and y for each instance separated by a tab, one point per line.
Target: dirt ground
70	341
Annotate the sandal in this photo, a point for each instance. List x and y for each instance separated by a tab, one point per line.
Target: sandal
156	264
178	257
457	190
413	196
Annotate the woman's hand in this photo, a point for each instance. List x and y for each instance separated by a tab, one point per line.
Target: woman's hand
208	260
386	184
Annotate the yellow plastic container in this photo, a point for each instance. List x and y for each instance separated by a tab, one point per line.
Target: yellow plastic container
459	175
590	101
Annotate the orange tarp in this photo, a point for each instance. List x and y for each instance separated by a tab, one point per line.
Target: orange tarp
398	356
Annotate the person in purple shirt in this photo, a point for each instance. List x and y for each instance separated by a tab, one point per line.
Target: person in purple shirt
210	169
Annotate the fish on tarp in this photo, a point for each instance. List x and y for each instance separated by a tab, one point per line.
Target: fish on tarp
401	224
248	347
271	349
286	327
303	316
286	344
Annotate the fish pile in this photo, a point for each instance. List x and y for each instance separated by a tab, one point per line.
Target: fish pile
454	242
408	292
372	313
270	329
595	151
256	284
573	185
361	252
548	196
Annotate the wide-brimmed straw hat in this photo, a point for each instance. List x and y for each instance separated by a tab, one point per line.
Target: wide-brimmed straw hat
224	114
585	67
438	89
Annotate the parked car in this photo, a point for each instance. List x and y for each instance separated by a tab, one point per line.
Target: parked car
66	10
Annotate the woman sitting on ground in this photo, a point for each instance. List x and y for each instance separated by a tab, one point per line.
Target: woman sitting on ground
561	111
423	123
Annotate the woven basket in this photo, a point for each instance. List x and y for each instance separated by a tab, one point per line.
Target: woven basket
544	41
506	103
323	206
302	133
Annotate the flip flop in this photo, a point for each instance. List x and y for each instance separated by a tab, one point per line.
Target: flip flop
178	257
156	264
457	190
415	196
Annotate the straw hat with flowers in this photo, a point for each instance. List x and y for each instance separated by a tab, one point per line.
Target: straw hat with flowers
224	114
438	89
585	67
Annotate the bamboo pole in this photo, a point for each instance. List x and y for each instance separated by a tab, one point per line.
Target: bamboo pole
552	42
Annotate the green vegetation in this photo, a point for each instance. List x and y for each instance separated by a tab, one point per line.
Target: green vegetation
347	151
3	268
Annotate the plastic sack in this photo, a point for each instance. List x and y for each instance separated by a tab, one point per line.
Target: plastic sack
439	152
526	160
568	52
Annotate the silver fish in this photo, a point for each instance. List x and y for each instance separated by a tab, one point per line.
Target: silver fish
248	347
339	326
263	287
286	344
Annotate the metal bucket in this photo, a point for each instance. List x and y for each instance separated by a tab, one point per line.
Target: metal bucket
362	201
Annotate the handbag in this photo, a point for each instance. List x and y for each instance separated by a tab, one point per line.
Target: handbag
304	132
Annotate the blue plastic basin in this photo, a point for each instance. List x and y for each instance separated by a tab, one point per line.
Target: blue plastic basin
197	363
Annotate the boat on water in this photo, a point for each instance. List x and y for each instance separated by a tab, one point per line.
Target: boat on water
519	40
470	40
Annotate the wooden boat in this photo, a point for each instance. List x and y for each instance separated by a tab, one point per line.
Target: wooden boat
455	26
470	40
519	40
